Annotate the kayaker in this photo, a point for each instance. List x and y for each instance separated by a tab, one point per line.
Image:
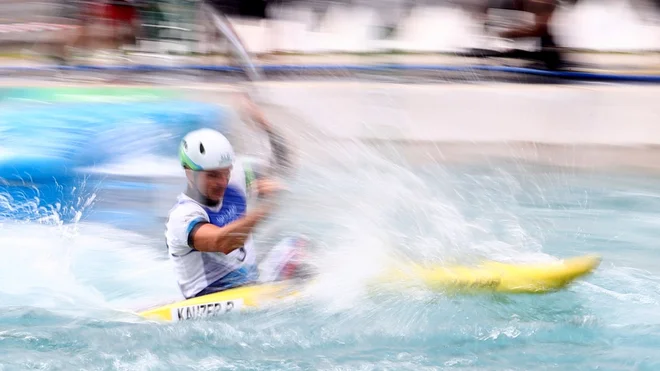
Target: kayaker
209	229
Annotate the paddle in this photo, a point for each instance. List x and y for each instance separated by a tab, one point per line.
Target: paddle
279	150
281	164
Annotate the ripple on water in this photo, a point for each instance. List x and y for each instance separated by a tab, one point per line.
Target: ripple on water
63	293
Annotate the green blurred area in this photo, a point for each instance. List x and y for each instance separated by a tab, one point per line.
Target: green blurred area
168	19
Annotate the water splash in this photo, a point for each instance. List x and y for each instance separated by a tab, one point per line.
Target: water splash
50	204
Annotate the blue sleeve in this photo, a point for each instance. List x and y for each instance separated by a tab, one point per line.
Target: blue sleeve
192	227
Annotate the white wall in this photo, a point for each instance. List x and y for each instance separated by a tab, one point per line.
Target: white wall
612	115
611	25
607	127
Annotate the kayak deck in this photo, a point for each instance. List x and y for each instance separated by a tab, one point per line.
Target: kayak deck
489	277
501	277
224	302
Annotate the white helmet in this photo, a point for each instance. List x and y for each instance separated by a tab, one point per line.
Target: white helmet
206	149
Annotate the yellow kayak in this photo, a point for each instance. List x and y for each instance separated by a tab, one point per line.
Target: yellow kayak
500	277
232	300
487	277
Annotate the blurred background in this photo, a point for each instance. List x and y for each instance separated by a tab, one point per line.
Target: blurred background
549	34
440	131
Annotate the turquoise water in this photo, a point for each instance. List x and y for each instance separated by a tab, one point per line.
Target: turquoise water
68	290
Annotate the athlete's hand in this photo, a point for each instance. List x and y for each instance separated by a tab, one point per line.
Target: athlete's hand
263	209
267	187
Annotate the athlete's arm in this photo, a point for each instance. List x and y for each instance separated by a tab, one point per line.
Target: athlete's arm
188	229
210	238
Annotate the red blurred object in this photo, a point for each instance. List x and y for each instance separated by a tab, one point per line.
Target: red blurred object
120	13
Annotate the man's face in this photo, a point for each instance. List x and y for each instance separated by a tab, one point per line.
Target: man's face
211	183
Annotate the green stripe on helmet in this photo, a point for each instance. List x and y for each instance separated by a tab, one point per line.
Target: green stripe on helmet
186	161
